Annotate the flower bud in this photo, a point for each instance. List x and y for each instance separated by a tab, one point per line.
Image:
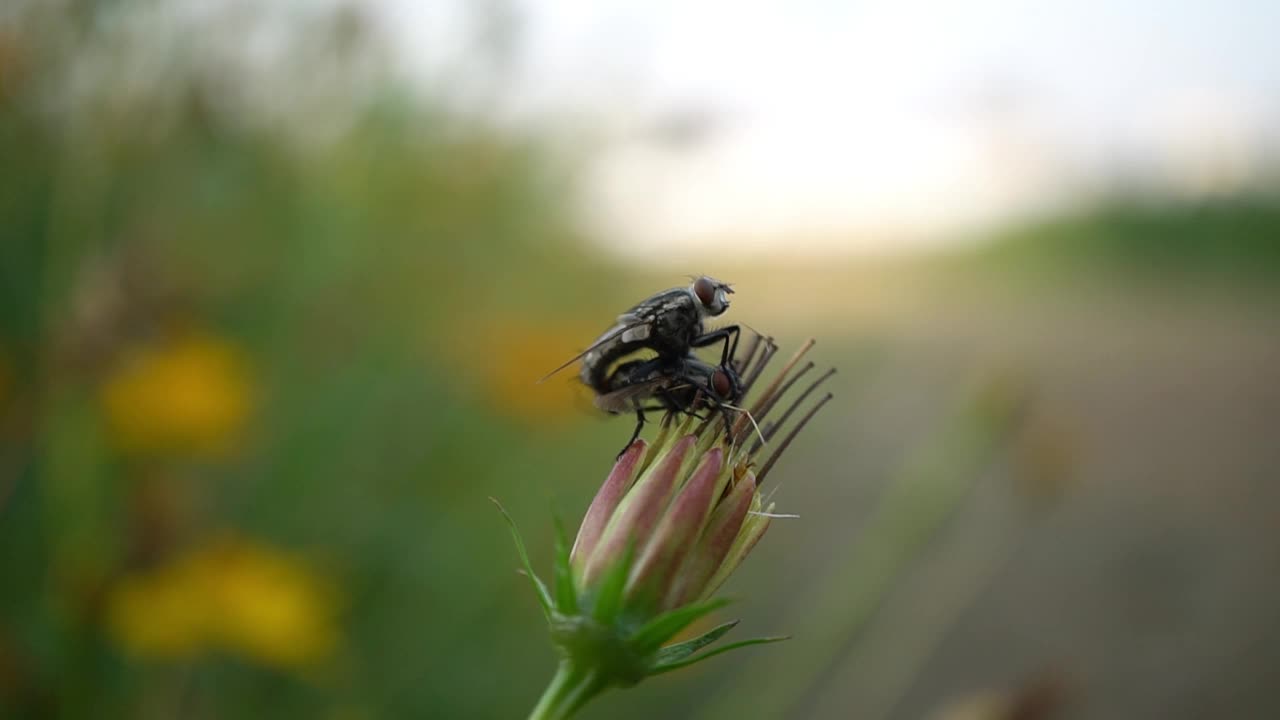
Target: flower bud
672	521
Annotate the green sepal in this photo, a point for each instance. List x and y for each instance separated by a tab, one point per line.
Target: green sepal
539	588
566	596
680	651
659	668
608	601
657	631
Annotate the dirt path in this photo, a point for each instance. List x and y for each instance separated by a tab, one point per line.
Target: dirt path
1150	588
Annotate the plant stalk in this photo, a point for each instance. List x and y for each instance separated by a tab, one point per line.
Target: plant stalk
568	691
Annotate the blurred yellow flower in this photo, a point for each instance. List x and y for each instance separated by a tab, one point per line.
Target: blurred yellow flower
162	613
5	375
506	359
231	595
270	607
191	393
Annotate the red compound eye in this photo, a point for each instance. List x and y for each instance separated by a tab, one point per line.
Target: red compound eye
721	384
705	288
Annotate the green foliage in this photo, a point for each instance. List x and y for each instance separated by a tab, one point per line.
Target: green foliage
540	589
1228	238
668	666
363	252
386	268
682	651
566	593
608	598
656	632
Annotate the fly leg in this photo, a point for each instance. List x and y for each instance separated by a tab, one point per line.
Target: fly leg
672	404
640	423
728	424
728	335
707	393
635	434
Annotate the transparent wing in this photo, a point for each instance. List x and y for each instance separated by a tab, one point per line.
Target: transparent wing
625	399
637	322
614	332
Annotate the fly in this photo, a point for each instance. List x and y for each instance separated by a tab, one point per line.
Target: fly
669	324
682	387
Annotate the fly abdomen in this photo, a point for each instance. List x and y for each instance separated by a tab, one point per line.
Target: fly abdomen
599	367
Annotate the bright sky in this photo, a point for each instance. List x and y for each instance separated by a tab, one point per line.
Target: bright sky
852	126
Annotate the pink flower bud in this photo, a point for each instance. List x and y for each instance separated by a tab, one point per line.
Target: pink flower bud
605	503
714	545
655	569
638	513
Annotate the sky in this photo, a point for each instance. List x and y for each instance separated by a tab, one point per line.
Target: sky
839	127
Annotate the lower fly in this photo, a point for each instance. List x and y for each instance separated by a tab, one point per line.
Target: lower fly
683	387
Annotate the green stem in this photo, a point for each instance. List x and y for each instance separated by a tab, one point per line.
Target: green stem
569	690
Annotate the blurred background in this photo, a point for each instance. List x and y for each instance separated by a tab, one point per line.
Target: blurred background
277	281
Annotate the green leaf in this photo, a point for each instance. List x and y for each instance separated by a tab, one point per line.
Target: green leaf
660	668
566	595
609	596
544	597
661	629
680	651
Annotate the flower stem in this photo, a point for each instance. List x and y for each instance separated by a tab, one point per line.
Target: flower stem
569	690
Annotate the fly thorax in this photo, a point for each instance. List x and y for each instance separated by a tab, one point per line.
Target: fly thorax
637	334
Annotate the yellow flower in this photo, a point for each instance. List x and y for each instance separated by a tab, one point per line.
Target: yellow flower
163	613
505	359
269	607
5	379
231	595
189	394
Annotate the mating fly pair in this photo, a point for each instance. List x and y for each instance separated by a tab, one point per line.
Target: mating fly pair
669	326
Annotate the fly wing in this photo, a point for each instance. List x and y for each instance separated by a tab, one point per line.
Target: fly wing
625	399
634	324
614	332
